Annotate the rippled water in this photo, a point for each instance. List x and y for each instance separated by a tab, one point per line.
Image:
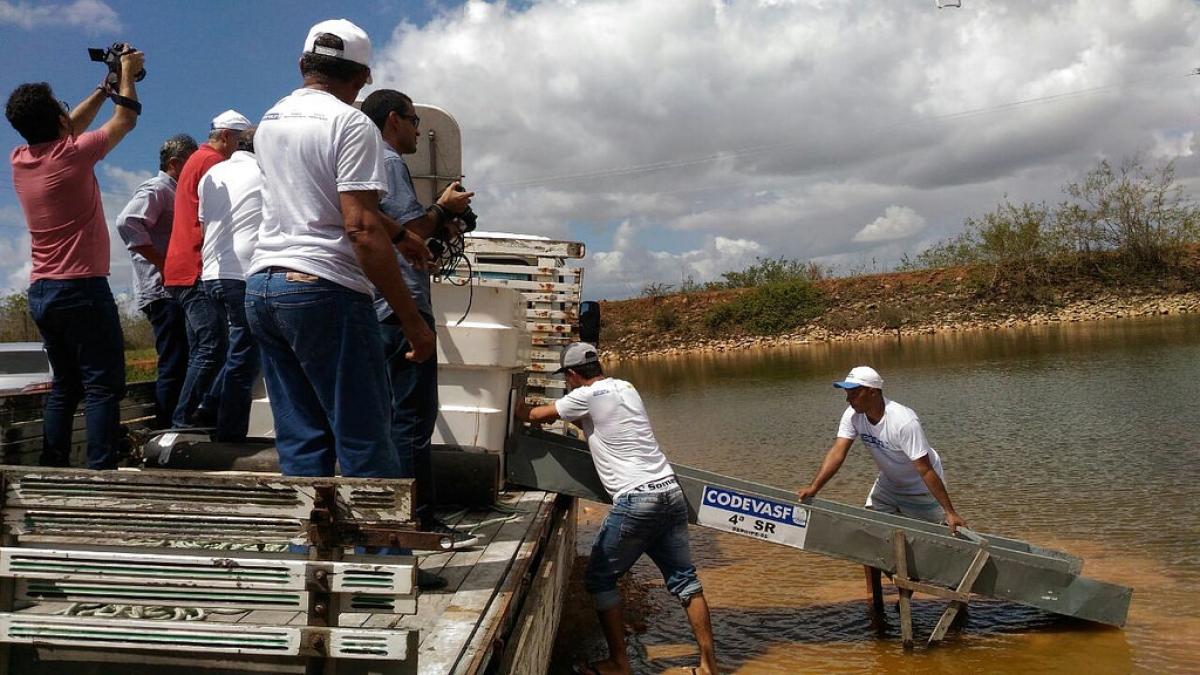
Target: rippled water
1083	438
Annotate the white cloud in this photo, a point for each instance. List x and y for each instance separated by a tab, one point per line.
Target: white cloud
685	138
666	128
1172	146
897	222
92	15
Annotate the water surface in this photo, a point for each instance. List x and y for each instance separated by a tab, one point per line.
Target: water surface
1079	437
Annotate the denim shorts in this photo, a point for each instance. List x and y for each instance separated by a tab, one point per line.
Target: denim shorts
922	507
654	523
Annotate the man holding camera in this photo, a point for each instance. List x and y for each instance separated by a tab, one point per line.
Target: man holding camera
69	296
414	385
323	247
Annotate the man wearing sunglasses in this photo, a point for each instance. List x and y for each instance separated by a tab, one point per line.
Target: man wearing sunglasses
414	385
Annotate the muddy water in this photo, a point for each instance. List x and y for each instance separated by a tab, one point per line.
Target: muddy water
1082	438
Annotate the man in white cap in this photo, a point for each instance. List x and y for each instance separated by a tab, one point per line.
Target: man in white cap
649	513
323	246
910	471
230	213
207	331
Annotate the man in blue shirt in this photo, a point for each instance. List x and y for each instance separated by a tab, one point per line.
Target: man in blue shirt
145	227
414	385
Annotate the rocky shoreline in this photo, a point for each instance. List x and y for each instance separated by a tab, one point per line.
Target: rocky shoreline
1099	307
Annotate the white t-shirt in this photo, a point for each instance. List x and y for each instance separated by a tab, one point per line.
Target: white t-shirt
230	212
311	147
614	420
894	443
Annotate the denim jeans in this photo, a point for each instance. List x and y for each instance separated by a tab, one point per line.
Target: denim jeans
654	523
171	343
325	374
82	332
242	363
414	413
207	338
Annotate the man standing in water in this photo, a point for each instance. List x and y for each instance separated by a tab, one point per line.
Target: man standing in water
649	514
910	471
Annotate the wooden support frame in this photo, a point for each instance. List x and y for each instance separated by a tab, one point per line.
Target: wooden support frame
958	597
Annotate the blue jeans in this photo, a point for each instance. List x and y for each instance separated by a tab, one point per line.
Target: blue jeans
654	523
242	363
171	343
82	332
325	374
414	413
207	337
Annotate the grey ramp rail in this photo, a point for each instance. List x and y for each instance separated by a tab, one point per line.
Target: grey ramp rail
1016	571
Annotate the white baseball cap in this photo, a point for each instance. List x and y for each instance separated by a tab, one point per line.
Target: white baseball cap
231	119
356	46
862	376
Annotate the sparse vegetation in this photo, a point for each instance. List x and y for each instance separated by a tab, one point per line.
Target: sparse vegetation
1121	223
16	325
1124	229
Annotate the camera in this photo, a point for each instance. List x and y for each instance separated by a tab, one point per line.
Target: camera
468	217
111	57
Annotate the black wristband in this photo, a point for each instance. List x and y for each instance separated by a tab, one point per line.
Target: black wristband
399	236
126	102
441	213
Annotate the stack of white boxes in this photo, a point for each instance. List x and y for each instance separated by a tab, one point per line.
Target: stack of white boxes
482	356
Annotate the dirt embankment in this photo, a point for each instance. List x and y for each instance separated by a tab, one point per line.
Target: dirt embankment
905	303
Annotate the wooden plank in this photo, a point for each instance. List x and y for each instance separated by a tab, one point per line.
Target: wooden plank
529	647
460	622
964	591
906	631
502	610
479	245
558	272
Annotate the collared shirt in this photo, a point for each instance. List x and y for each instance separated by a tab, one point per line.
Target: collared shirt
146	221
402	206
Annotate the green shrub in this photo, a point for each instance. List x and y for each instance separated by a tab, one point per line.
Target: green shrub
770	309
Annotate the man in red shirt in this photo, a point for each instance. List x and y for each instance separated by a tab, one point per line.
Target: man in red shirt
69	296
207	332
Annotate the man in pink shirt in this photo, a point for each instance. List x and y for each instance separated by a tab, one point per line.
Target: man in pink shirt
207	329
69	296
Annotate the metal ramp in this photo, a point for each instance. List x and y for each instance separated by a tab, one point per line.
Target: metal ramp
922	556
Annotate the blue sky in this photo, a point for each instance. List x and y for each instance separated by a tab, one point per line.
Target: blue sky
678	140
